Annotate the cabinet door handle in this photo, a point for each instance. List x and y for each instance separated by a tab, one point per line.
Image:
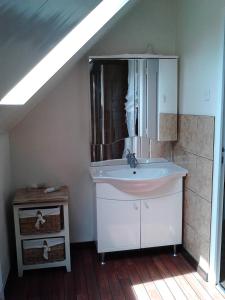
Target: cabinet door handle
146	205
135	206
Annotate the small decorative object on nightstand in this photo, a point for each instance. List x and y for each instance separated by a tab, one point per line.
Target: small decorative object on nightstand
42	228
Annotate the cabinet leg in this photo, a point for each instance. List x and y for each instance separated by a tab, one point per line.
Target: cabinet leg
102	255
174	250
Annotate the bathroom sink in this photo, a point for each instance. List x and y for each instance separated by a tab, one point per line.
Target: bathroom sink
143	179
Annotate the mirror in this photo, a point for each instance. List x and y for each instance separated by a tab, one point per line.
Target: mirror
132	100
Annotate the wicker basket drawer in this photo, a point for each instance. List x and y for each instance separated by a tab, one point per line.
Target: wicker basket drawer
43	251
40	220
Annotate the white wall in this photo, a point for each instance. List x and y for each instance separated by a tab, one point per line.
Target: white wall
200	46
52	143
149	22
5	186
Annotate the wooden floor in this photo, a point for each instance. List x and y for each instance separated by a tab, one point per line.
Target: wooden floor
143	275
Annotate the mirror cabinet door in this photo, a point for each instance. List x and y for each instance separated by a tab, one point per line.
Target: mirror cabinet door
113	110
151	97
167	100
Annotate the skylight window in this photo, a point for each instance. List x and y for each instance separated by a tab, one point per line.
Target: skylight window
62	52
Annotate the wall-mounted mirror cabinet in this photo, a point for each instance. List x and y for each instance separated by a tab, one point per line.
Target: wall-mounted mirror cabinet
132	100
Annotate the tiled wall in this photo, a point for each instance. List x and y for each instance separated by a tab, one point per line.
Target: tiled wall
194	151
161	149
167	127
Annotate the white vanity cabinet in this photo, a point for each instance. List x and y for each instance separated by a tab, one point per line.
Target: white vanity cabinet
128	221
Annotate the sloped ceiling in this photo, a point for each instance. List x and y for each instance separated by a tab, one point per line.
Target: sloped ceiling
28	31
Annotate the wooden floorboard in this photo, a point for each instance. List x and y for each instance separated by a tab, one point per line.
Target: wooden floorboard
194	283
158	279
153	292
184	285
127	276
169	279
214	293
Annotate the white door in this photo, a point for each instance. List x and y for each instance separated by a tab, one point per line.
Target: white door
118	225
161	221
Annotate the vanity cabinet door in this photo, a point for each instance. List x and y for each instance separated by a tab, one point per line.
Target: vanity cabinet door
118	225
161	221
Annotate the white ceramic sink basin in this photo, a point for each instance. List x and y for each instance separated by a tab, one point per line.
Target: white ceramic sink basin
140	173
143	179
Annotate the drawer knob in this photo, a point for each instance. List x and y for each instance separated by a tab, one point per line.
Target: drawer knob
40	220
46	249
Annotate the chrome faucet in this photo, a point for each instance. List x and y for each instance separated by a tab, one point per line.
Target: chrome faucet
131	159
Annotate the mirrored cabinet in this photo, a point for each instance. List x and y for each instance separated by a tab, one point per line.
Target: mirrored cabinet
133	100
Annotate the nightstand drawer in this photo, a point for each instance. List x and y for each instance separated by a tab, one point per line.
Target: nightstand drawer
40	251
40	220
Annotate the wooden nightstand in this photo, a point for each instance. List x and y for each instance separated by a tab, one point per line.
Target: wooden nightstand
42	229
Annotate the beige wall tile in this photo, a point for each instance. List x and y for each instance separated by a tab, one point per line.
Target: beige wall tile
189	241
202	252
190	213
160	149
197	246
167	127
203	218
196	134
194	151
200	169
188	161
187	132
205	136
197	214
202	183
179	154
